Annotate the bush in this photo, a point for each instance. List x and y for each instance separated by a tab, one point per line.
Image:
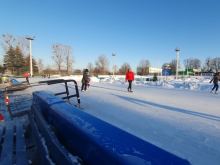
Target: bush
155	77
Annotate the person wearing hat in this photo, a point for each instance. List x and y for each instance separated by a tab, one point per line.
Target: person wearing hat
85	80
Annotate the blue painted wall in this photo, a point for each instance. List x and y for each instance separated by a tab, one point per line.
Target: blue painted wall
95	141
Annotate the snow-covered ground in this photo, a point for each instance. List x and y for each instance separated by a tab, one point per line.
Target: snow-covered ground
180	116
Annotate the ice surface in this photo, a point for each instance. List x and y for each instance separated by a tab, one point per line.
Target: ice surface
182	116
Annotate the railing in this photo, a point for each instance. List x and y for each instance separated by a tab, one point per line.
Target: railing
68	96
18	105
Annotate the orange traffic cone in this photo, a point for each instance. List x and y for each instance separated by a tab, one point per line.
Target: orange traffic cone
7	101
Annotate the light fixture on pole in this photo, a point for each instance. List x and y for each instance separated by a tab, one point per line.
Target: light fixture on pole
187	65
113	55
177	61
30	52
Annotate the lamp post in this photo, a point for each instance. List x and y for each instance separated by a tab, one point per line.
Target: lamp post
113	55
30	52
187	63
177	61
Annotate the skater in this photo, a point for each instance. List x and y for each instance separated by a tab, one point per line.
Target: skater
26	75
215	83
129	78
85	80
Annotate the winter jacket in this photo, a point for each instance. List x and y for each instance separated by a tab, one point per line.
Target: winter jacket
85	78
215	80
26	74
130	75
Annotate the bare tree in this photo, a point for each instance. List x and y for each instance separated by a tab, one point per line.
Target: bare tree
58	56
15	41
90	67
172	65
124	68
23	44
212	64
102	65
207	64
48	70
143	67
192	63
40	65
116	69
8	41
69	58
215	64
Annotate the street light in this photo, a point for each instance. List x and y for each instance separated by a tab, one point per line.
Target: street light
30	52
177	61
113	55
187	63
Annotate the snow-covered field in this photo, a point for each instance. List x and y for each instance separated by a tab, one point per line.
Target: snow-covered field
180	116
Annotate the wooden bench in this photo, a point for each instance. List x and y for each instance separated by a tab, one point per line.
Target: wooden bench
28	139
49	150
12	143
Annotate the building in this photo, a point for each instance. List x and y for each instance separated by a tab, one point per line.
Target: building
157	71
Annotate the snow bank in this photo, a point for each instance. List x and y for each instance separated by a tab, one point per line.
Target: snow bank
193	83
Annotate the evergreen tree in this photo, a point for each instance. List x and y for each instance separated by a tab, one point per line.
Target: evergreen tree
1	68
19	61
155	77
14	60
34	65
9	59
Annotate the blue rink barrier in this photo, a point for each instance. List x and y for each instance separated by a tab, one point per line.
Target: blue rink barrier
96	141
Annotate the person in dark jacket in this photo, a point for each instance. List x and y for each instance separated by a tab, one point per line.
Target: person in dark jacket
85	80
215	83
129	77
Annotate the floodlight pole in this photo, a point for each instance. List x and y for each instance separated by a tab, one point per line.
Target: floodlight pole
30	52
177	61
113	55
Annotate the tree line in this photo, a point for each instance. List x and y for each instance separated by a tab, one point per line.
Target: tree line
143	68
190	64
16	59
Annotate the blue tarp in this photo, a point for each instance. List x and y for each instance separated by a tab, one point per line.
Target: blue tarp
15	82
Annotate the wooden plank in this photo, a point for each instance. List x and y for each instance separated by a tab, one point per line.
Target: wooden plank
1	131
21	153
7	146
56	151
43	151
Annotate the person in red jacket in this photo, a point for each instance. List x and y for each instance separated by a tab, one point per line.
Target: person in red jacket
27	75
129	78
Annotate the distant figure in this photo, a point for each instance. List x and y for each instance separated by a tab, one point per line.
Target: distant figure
27	75
215	83
129	78
85	80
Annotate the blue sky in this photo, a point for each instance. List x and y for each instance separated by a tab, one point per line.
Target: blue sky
133	29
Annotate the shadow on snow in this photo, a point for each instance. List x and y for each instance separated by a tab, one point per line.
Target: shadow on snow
169	108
